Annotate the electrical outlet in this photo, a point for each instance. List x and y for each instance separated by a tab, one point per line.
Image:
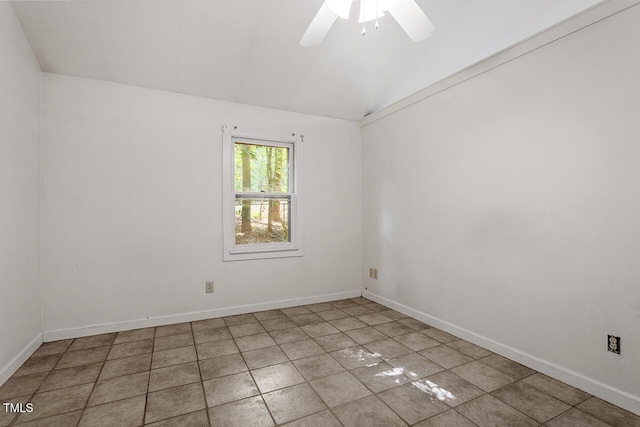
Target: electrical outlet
371	272
613	344
375	273
209	287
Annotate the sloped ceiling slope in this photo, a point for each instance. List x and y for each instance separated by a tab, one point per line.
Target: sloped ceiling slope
247	51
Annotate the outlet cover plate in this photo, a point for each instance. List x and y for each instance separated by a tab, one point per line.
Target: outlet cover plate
209	287
613	344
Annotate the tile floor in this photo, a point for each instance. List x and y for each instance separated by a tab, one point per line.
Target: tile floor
350	362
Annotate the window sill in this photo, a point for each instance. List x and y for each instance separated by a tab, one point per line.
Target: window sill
245	255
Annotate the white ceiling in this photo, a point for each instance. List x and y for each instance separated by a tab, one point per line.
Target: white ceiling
247	50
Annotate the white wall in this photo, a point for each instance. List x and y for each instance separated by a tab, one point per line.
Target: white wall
509	206
19	195
132	192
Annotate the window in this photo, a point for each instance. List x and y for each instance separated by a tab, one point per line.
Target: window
262	195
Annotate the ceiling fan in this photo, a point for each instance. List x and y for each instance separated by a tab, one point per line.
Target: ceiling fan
406	13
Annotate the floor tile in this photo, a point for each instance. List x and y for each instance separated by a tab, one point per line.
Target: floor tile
299	349
360	300
365	335
193	419
373	319
306	319
450	388
319	329
19	386
387	349
172	341
230	388
129	349
83	357
339	388
416	341
393	329
57	402
123	413
246	330
200	325
317	366
335	342
92	342
293	402
333	314
222	365
414	324
173	376
269	315
62	420
246	412
392	314
264	357
119	388
321	419
415	366
289	335
347	324
375	307
440	335
254	342
239	319
317	308
576	418
357	310
557	389
35	365
609	413
446	356
134	335
483	376
53	347
487	411
367	412
211	335
69	377
412	402
125	366
469	349
278	324
356	357
531	401
343	303
295	311
506	366
380	377
174	356
277	376
175	329
173	402
214	349
446	419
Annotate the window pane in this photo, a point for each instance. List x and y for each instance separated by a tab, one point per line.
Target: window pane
264	220
261	168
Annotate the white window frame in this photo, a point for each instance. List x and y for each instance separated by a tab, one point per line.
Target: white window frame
294	248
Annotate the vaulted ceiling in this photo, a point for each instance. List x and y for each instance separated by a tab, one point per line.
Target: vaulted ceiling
247	50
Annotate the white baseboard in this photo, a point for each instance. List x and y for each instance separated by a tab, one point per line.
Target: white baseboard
15	363
83	331
606	392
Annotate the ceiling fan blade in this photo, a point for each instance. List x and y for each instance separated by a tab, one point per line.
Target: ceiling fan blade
340	7
319	27
412	20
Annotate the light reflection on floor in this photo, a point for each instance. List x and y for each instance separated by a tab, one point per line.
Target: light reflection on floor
426	386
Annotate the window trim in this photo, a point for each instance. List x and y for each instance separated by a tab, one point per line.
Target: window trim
294	248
